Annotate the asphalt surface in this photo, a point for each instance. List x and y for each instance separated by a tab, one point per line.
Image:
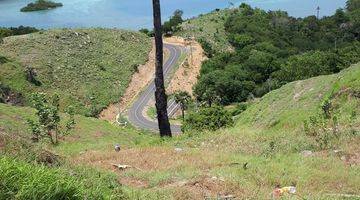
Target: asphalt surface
135	112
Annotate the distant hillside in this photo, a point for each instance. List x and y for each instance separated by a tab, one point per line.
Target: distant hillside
208	27
89	68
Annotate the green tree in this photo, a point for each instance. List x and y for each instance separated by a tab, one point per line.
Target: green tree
47	124
183	98
171	26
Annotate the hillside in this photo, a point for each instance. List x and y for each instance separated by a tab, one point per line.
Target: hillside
89	68
266	147
209	28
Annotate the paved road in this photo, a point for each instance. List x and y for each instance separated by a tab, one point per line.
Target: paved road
135	113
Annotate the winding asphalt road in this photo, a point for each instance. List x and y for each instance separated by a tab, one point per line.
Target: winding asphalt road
136	111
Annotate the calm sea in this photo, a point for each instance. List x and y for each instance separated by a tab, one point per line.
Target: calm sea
135	14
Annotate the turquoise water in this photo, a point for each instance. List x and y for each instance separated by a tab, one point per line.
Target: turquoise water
135	14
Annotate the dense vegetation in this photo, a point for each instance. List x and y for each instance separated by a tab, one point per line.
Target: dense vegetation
40	5
85	67
273	48
211	118
21	30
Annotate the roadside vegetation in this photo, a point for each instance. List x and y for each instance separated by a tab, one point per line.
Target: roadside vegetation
40	5
86	67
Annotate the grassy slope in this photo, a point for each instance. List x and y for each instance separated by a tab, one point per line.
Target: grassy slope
268	136
90	67
209	27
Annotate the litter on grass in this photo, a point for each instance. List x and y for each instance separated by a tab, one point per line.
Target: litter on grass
279	192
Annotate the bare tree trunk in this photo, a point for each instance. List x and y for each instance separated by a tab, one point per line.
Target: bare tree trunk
183	113
160	95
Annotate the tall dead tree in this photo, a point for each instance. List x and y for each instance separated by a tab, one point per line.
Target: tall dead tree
160	95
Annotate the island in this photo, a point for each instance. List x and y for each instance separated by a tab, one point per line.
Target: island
40	5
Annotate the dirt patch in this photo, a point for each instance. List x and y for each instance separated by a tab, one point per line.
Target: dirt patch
98	134
186	75
133	182
206	187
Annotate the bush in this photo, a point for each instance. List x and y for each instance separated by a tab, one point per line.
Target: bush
210	118
240	108
21	30
209	51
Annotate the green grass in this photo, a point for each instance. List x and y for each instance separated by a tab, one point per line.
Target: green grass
209	27
268	136
81	139
21	180
151	112
89	68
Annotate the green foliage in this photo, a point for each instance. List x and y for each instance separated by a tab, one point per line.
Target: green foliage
208	118
183	98
272	49
352	5
21	30
209	52
309	64
241	40
324	127
70	124
172	25
20	180
40	5
147	32
240	108
223	87
48	116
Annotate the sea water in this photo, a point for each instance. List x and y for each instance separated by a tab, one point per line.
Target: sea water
136	14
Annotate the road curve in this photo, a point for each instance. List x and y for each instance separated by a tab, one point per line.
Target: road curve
136	111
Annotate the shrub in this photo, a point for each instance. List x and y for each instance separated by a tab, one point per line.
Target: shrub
240	108
209	118
209	52
48	122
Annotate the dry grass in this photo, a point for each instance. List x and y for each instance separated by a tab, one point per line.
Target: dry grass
150	158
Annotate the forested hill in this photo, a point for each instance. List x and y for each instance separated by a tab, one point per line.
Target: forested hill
253	51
